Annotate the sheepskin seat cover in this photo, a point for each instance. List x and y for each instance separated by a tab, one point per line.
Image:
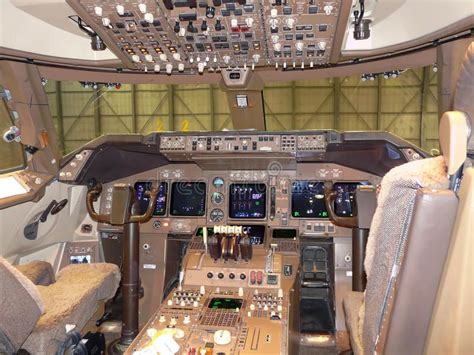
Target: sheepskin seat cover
20	307
72	299
386	243
39	272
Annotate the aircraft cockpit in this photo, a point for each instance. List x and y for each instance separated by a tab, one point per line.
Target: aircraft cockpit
236	177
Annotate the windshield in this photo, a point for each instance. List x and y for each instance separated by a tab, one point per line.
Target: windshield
405	104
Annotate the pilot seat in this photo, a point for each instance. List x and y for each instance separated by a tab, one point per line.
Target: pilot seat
37	307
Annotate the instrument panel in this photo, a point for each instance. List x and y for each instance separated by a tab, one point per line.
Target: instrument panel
191	197
192	36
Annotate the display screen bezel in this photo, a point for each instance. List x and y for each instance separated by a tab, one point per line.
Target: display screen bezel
231	210
173	198
150	183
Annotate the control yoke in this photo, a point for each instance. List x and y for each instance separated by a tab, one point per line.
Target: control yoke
329	197
122	203
124	213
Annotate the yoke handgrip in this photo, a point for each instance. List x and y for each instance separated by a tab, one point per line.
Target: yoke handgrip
92	196
149	210
348	222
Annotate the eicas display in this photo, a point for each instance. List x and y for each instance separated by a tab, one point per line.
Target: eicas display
247	200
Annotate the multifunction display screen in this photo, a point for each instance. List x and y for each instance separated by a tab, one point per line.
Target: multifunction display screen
225	303
188	198
143	186
307	199
247	200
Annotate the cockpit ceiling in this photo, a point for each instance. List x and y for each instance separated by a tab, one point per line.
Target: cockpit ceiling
193	36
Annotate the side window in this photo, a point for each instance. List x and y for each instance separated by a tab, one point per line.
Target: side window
12	156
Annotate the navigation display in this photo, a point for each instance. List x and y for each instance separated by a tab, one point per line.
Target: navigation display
188	198
307	199
345	204
143	186
247	200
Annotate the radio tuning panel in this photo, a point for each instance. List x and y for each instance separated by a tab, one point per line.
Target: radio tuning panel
194	36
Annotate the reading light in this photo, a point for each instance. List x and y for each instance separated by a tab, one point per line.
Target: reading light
361	26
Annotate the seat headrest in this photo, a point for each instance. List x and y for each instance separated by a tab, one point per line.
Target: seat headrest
464	94
454	133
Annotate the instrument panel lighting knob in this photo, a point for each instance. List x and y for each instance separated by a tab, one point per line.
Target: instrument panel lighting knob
226	59
275	38
106	21
157	68
177	57
163	57
273	12
120	9
142	8
290	22
256	58
210	275
241	292
187	319
169	68
149	58
162	319
149	17
98	11
201	67
181	67
202	290
322	45
243	276
135	58
220	275
234	23
249	21
231	276
328	9
299	46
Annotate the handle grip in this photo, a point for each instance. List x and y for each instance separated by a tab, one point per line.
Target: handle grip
149	211
92	196
348	222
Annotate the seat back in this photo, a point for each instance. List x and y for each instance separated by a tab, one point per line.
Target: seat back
391	227
452	323
20	307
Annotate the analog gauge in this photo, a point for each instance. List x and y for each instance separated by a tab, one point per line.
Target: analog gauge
218	182
217	215
217	198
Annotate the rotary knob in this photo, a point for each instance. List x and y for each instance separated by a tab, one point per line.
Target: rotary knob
222	337
277	47
290	22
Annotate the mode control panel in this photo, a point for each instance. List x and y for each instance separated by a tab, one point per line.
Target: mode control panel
243	143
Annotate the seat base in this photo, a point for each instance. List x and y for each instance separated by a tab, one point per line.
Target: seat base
352	304
71	300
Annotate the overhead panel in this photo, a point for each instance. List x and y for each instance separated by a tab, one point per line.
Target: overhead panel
194	36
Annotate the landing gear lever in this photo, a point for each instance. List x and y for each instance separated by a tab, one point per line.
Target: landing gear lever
125	212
